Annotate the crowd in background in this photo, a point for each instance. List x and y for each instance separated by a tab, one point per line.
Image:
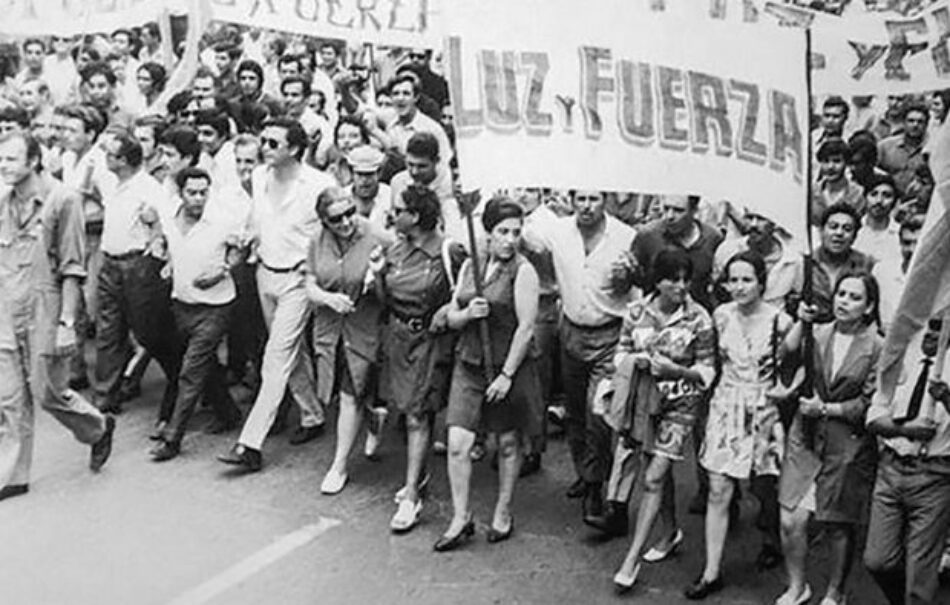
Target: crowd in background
281	214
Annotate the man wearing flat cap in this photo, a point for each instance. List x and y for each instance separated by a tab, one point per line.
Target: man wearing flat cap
373	199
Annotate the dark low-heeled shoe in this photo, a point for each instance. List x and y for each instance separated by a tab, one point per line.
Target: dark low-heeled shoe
447	543
493	535
702	588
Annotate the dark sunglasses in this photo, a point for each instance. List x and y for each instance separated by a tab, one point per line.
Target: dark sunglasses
336	220
417	55
270	143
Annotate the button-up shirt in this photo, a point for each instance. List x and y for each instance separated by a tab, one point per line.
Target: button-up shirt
86	173
284	228
584	279
123	230
201	250
42	240
880	244
883	406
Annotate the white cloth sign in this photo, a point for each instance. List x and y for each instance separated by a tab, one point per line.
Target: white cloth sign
629	98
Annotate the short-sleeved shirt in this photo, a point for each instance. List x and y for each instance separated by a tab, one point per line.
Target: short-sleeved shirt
416	281
123	230
200	251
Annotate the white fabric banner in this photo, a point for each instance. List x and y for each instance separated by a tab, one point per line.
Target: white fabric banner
69	17
620	96
412	23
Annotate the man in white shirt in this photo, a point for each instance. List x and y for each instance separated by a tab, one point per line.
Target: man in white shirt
284	219
59	70
34	52
587	249
910	509
891	273
879	231
132	294
217	152
202	293
405	91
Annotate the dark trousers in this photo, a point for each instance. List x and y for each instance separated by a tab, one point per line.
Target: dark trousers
247	332
586	356
201	328
910	516
133	296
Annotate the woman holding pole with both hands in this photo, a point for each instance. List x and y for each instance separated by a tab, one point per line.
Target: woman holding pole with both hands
830	457
497	395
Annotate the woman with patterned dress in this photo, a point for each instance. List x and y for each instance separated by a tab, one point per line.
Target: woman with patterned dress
413	281
670	338
500	395
744	434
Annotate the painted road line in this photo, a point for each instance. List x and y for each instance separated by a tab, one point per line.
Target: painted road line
263	558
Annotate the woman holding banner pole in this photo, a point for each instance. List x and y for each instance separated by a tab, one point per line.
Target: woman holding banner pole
830	459
500	398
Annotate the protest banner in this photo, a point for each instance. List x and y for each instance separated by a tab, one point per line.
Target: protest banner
411	23
629	98
68	17
869	47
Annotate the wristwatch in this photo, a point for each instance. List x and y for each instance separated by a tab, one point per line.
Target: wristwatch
67	324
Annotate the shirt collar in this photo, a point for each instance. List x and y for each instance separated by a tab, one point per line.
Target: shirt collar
429	242
33	189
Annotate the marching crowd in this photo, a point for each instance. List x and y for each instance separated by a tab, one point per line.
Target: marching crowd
251	190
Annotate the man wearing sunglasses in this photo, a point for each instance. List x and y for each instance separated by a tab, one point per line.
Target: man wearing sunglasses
284	220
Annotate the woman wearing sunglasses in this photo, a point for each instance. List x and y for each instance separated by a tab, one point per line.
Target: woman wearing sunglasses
346	318
414	279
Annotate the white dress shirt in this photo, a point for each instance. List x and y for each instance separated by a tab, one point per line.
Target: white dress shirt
200	251
123	230
283	229
583	279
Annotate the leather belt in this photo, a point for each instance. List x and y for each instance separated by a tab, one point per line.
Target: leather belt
125	255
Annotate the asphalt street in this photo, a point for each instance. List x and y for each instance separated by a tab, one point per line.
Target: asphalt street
189	532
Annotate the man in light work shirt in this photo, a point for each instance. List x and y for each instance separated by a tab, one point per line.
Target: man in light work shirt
202	293
284	218
586	249
42	266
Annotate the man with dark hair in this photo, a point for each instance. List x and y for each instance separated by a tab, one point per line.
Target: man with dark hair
42	276
252	106
902	154
424	168
585	249
832	183
98	83
203	85
201	252
295	92
226	55
217	152
330	62
834	115
836	255
878	236
132	294
34	55
432	84
405	90
284	221
891	273
180	148
83	166
13	119
862	158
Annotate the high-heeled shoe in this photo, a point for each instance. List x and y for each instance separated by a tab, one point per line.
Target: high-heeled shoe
623	582
655	555
493	536
447	543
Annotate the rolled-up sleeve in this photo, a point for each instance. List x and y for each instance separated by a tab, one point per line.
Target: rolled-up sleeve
69	234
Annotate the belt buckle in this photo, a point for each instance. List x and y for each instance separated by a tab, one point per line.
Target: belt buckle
416	324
